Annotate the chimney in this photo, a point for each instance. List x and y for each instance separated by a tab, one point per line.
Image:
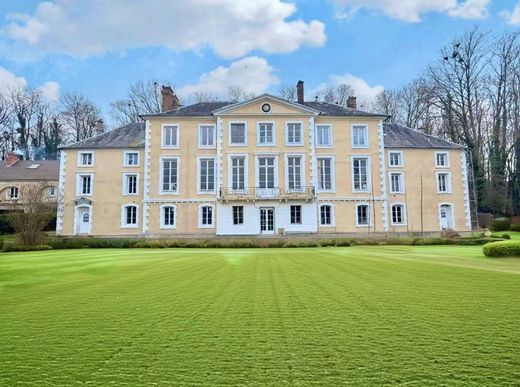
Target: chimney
169	99
100	127
11	159
351	102
299	91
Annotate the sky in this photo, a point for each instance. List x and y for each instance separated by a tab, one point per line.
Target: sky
98	47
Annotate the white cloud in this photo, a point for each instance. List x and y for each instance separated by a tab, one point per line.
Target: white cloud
10	81
253	74
512	17
365	93
412	10
50	90
231	27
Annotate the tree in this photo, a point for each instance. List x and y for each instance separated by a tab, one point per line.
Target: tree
79	116
287	92
237	93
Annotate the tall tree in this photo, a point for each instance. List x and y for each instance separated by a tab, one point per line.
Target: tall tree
79	116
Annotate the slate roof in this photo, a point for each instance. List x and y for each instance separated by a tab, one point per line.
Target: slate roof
400	136
330	109
47	170
128	136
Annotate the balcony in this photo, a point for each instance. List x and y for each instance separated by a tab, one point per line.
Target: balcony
277	193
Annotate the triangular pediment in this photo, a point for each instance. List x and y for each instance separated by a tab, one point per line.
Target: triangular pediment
275	106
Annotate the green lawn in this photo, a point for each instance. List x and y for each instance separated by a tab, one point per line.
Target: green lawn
365	315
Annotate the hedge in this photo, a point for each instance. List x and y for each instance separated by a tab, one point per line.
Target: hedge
501	224
502	249
515	227
12	247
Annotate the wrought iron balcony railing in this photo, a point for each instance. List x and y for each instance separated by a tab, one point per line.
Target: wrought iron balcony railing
275	193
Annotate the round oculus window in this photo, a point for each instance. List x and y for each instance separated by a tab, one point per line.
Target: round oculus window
266	108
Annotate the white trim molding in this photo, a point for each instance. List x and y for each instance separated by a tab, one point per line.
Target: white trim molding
177	190
200	126
464	169
444	152
332	214
401	159
125	161
367	136
123	216
124	184
332	174
448	182
331	136
402	186
162	225
61	192
369	214
302	134
177	135
79	175
206	191
80	158
273	126
245	133
404	214
146	185
245	156
452	206
300	155
213	214
369	172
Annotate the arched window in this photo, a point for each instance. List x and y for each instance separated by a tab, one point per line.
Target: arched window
86	217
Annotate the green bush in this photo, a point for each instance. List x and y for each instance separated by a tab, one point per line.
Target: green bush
343	242
475	241
433	241
515	227
94	243
506	236
502	249
501	224
401	241
13	247
327	242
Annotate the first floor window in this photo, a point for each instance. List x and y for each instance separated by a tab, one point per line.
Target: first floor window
130	184
85	185
237	134
296	214
130	215
86	159
395	159
362	215
169	175
326	215
325	174
396	183
266	172
170	136
323	135
207	175
441	159
168	216
238	172
238	214
294	172
443	182
207	136
13	193
360	173
398	214
294	133
359	136
206	216
265	133
131	159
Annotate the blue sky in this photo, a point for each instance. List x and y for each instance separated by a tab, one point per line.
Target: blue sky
98	47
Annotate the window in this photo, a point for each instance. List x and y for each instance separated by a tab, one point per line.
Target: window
296	214
238	215
84	185
398	214
129	216
325	174
323	135
442	159
52	191
265	133
238	172
34	166
359	136
206	216
294	172
13	193
131	159
86	159
237	133
169	175
362	215
207	136
326	215
266	172
360	173
168	217
443	183
207	175
86	217
170	136
396	183
130	183
396	159
294	135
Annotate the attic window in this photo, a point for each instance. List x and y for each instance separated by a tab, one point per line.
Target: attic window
33	166
266	108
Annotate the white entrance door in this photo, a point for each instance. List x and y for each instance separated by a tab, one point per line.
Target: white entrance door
446	215
267	220
83	220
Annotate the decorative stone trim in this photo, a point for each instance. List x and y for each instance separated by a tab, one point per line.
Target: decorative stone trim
180	201
219	162
382	170
61	192
464	169
313	163
146	183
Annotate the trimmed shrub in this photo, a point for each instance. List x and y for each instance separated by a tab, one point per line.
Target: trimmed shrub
12	247
501	224
432	241
515	227
94	243
327	242
502	249
449	234
506	236
401	241
343	242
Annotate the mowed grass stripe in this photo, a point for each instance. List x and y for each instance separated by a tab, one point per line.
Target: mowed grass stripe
256	317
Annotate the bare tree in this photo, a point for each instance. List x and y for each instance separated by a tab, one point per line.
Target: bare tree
287	92
203	96
79	116
336	94
237	93
387	102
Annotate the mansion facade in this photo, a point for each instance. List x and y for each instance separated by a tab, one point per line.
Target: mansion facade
265	166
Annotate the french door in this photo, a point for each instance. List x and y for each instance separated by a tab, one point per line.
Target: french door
267	220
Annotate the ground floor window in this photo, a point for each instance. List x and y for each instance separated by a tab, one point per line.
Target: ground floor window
326	215
13	193
296	214
362	215
129	216
238	215
168	216
206	216
398	214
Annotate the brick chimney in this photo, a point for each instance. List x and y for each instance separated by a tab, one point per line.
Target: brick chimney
10	159
100	127
299	92
169	99
351	102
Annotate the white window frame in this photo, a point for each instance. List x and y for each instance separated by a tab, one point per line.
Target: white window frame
449	186
125	160
401	182
447	159
369	215
229	133
302	171
287	143
316	136
214	145
404	214
212	225
332	215
401	164
125	183
162	225
80	159
177	136
11	188
123	216
258	143
439	207
161	191
233	215
369	173
78	184
290	215
257	174
230	169
365	126
199	189
332	171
